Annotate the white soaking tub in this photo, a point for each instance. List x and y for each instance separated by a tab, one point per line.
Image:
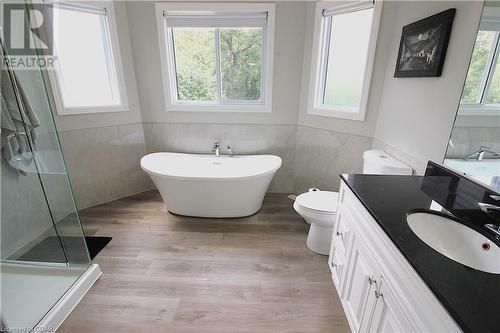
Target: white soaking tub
209	186
486	171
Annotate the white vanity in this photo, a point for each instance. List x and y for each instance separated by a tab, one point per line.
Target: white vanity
379	289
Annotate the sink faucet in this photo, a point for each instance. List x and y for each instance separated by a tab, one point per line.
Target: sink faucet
216	149
487	208
495	228
479	154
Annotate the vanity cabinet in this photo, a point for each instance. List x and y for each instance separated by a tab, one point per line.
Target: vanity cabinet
379	290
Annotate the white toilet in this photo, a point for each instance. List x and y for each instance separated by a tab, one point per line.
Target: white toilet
319	208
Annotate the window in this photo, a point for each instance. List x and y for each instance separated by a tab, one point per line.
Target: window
88	76
344	46
216	57
481	94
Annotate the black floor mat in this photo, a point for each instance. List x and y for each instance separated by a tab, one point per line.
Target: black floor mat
95	244
50	249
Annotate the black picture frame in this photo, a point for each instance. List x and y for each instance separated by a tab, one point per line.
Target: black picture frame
423	46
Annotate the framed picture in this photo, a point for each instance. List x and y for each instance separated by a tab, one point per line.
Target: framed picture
423	46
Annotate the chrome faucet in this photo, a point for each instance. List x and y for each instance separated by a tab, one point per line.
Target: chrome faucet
216	149
479	154
230	150
495	228
487	208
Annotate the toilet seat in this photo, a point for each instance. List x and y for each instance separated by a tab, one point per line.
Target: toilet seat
320	202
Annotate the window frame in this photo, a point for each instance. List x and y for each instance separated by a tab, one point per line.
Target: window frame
319	60
480	108
115	59
168	69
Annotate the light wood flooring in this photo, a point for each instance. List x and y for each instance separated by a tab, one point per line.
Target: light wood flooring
168	273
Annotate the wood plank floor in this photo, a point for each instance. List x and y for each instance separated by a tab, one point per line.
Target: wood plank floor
167	273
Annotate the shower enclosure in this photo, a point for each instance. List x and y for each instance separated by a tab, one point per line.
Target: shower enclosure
44	256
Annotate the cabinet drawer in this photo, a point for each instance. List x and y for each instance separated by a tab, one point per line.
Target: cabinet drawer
339	249
342	230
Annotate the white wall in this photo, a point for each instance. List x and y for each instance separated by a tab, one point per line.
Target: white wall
416	115
287	77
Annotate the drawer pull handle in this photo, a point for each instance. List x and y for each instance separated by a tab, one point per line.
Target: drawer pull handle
378	294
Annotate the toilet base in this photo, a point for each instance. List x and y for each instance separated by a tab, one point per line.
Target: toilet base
319	239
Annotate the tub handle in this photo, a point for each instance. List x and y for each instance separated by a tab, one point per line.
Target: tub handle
230	150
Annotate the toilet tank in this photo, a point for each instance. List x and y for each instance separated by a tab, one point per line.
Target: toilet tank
379	162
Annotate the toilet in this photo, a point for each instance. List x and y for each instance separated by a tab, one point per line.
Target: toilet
319	208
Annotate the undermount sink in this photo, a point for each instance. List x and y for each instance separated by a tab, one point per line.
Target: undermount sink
456	241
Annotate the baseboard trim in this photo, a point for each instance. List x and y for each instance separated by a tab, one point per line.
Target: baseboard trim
56	316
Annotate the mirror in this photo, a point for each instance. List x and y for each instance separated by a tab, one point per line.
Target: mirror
474	146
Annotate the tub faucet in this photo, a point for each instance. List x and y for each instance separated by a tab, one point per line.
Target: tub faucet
230	150
216	149
479	154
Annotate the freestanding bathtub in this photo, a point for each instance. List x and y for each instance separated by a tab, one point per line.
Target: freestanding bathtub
209	186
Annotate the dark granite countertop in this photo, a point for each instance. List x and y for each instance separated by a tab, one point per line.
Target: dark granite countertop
470	296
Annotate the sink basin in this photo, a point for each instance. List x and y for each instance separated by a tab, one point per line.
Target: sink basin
456	241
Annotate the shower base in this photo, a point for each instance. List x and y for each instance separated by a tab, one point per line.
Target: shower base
28	290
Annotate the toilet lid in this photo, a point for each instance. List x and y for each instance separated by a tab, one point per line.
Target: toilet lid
320	201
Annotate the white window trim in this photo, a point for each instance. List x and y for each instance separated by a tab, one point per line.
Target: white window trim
168	66
115	50
479	110
318	66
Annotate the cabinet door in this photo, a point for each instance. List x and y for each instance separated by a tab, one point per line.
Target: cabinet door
358	295
387	314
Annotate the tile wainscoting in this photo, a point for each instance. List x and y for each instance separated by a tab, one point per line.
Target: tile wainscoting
244	139
467	140
103	163
311	156
322	155
27	216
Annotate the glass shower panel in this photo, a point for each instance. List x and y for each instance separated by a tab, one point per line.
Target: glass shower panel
43	248
53	176
24	214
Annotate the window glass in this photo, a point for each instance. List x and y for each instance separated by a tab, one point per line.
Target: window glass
194	50
482	49
493	94
346	58
217	59
86	69
241	68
